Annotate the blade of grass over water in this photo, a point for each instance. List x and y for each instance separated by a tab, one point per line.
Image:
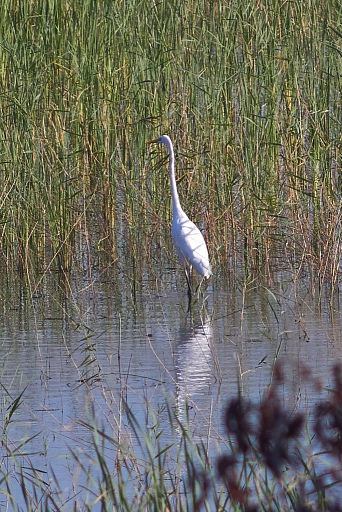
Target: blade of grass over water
265	458
249	93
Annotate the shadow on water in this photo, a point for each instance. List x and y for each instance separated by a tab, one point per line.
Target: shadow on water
82	349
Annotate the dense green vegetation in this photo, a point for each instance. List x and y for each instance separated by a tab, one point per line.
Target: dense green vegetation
249	92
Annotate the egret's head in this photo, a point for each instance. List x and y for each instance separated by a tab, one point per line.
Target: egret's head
164	139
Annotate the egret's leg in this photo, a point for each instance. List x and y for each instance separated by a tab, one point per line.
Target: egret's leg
188	276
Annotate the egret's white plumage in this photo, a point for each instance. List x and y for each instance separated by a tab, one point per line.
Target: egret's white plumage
188	239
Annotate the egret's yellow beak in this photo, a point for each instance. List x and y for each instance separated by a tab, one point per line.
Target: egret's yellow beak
152	141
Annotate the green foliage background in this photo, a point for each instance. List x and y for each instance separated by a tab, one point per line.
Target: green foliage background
250	93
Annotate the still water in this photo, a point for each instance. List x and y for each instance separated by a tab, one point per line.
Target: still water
76	350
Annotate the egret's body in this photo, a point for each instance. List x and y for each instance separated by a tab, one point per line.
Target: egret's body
189	242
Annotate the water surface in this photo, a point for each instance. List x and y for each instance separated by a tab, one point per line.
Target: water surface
84	348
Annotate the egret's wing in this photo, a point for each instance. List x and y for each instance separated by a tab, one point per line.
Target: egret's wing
190	245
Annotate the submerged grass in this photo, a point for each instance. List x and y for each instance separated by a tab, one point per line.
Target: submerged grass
250	94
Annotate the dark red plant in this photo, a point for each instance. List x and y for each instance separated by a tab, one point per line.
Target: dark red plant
267	434
328	418
277	430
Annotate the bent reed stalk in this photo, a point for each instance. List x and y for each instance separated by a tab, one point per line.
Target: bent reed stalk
250	94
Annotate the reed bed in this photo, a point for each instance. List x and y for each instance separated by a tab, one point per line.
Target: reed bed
249	92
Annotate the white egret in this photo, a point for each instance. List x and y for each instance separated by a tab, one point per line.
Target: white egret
189	242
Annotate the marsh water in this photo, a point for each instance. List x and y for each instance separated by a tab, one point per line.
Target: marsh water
74	350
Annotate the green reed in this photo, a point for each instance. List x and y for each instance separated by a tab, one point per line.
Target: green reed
250	94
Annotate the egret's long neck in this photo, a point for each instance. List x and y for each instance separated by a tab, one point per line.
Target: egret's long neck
174	192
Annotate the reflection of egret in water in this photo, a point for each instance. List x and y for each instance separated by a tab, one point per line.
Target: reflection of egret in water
194	368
